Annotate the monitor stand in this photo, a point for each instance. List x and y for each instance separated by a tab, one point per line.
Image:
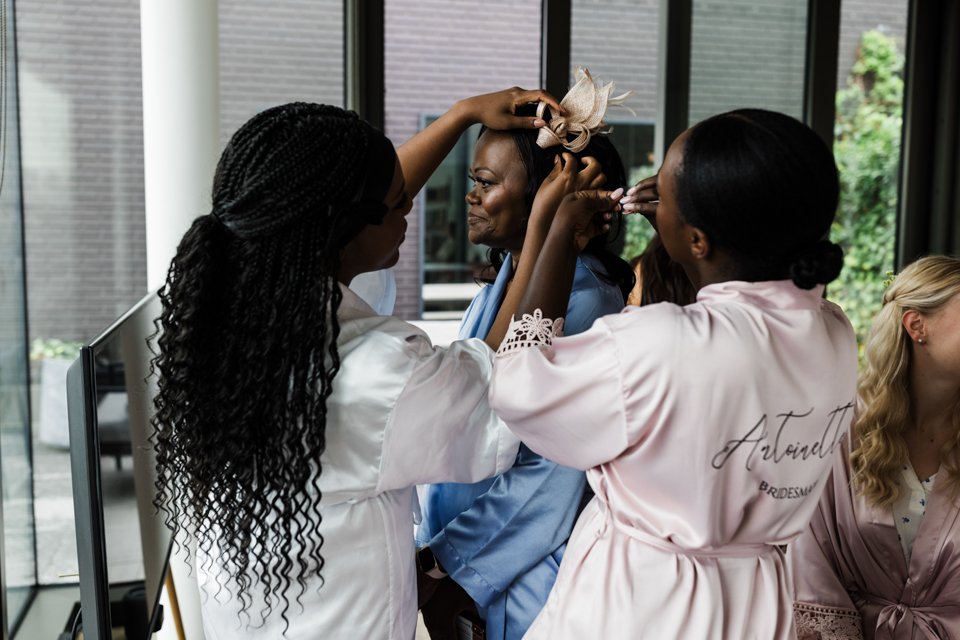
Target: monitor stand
128	611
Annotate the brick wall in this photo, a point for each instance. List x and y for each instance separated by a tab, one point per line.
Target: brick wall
82	158
79	66
857	16
293	52
747	53
618	41
436	53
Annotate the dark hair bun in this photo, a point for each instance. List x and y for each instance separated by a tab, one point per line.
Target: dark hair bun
764	187
820	264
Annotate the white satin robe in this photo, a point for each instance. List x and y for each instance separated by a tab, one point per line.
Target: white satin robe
402	413
707	432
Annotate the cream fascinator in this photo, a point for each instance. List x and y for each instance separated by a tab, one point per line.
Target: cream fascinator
586	105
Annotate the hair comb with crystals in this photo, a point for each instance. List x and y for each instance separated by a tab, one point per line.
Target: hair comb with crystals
586	105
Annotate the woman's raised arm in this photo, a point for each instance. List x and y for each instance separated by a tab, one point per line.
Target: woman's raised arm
422	154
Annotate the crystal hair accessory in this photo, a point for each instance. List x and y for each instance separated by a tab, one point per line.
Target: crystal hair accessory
585	105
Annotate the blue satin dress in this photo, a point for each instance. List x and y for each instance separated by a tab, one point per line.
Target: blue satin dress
502	539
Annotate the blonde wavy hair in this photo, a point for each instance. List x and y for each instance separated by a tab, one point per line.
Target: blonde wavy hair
884	409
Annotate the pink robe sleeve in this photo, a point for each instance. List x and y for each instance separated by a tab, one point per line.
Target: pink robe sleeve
823	609
565	400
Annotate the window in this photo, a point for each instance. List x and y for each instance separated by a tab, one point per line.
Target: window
289	51
448	257
746	53
18	564
494	54
83	195
867	150
82	169
435	53
617	40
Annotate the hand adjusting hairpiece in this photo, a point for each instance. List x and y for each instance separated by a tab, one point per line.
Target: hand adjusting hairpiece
585	105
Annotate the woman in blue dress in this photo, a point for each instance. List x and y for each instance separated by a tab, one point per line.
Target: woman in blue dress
502	540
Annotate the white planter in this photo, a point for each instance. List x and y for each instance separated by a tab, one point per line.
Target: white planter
54	428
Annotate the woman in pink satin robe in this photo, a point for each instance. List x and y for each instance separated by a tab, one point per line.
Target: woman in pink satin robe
881	558
707	430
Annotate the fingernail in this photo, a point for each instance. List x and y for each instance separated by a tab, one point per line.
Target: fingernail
616	194
626	199
631	191
539	122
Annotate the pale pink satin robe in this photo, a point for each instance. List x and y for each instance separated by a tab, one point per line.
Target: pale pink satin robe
707	431
850	562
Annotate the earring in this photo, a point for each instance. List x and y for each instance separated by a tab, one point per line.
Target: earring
920	341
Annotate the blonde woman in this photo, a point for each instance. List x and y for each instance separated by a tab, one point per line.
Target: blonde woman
881	557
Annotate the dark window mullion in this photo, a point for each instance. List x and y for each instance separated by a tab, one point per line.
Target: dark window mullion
673	77
820	85
555	46
363	79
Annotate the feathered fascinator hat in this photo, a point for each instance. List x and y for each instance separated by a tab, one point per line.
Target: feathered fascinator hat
585	105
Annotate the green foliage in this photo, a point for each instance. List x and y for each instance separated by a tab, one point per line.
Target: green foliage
42	348
638	230
867	150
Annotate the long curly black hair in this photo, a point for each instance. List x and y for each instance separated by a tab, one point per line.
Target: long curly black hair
247	352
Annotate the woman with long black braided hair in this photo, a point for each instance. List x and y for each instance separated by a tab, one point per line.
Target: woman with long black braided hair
291	421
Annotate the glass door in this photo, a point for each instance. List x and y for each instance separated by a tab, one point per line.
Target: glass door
18	567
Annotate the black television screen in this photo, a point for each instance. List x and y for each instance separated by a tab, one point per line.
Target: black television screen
122	544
